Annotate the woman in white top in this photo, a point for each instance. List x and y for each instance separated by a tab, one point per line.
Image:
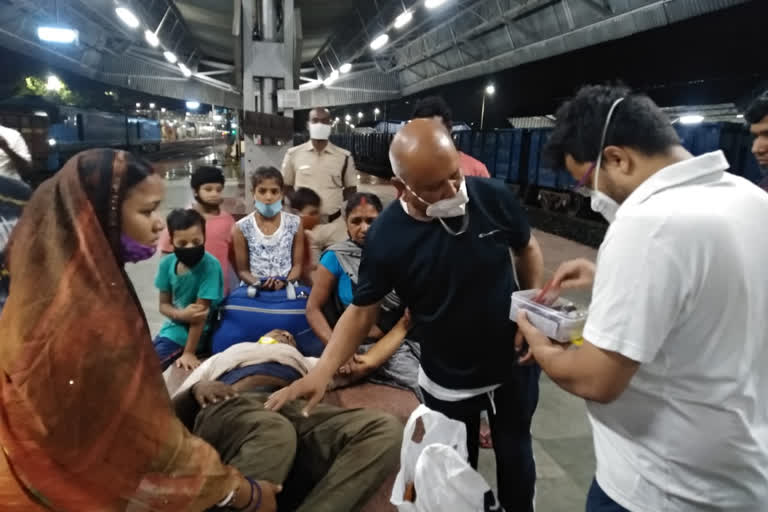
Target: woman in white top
268	244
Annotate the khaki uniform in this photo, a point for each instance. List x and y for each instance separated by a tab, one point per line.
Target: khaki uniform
324	173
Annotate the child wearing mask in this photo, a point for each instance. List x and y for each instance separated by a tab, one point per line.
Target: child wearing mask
191	286
269	243
207	186
306	203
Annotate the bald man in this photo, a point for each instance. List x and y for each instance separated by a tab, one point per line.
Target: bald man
327	169
445	249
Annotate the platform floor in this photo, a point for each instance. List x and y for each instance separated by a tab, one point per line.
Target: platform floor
562	438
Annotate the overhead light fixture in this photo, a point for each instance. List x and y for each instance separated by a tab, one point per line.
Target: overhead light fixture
352	126
170	56
379	42
691	119
359	115
431	4
193	105
40	113
51	142
138	105
347	117
151	38
403	19
151	105
331	78
490	90
162	109
127	17
336	120
57	34
185	70
346	67
739	116
53	83
377	111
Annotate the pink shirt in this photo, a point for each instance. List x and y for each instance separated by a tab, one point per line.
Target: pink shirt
218	239
472	167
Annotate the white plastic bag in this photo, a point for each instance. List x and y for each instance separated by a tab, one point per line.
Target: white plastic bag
436	463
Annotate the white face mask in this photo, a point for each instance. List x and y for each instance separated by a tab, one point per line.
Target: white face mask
319	131
601	202
456	206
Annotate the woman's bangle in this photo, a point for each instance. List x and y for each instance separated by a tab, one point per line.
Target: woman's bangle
254	487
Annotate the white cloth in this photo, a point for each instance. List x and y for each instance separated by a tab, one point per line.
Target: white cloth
682	288
455	395
270	255
17	145
246	354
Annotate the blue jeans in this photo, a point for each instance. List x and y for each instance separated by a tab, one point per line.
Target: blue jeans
168	351
598	501
515	402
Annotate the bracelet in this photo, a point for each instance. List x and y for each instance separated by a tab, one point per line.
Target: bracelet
254	486
226	501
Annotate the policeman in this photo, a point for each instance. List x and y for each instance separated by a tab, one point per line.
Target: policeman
328	170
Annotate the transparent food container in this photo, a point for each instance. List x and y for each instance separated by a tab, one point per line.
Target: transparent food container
562	321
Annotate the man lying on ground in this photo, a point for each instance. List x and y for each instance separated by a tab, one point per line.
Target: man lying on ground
333	460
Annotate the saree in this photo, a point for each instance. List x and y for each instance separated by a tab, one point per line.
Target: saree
86	423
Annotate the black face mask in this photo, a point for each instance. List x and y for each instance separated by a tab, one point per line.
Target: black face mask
190	256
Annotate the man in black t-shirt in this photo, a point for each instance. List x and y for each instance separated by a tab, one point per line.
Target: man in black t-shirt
444	247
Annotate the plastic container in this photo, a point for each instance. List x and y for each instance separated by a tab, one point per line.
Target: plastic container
562	321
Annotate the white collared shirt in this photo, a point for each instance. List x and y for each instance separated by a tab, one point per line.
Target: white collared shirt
682	288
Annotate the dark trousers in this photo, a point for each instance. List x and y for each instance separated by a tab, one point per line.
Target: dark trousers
598	501
510	429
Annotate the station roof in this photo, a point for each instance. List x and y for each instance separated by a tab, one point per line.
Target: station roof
446	41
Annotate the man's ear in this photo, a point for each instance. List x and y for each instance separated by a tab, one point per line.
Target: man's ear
399	186
617	158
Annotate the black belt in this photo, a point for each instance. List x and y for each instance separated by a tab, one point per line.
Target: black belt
332	217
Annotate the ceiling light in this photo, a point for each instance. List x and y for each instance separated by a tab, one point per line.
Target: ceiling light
379	42
352	126
359	115
336	120
193	105
51	142
40	113
490	90
347	117
170	56
739	116
185	70
346	67
127	17
431	4
691	119
151	38
138	105
403	19
377	111
57	34
162	109
151	105
53	83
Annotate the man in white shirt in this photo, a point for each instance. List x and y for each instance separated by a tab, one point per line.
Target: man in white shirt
674	364
15	160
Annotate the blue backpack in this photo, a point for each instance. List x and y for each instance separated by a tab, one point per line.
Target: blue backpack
243	318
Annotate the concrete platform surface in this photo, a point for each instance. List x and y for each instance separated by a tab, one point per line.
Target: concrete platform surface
562	436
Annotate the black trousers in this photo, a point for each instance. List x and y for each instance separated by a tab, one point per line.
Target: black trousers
515	402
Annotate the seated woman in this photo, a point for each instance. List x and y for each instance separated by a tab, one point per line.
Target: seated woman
269	243
87	423
387	357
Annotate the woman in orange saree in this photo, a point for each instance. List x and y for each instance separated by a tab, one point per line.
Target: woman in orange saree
86	424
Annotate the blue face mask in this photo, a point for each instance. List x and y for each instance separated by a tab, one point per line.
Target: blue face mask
268	210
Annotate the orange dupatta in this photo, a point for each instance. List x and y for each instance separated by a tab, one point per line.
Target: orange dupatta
86	423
